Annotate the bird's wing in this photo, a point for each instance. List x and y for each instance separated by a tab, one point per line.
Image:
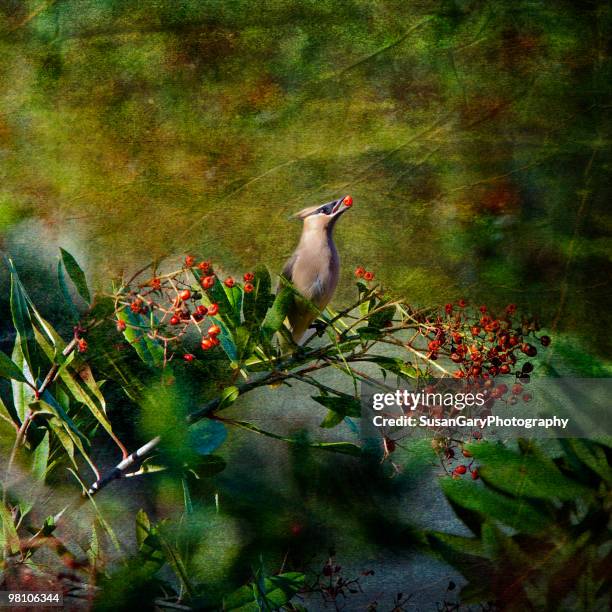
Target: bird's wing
288	269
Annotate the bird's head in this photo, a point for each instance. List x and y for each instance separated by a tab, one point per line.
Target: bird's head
324	216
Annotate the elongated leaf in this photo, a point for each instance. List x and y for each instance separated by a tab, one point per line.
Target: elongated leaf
524	475
8	369
61	281
275	317
20	314
345	448
76	275
487	503
143	527
147	349
81	384
228	396
273	592
10	539
23	394
344	405
40	459
226	339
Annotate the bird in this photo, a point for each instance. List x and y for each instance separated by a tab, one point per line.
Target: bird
314	267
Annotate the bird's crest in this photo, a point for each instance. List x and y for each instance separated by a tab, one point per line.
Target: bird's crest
305	212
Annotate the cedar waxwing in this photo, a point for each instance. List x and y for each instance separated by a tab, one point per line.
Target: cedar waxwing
314	267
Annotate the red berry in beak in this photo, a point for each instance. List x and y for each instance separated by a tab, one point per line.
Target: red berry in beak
348	201
213	309
185	295
248	287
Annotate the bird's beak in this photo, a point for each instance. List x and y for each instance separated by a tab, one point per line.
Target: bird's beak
342	205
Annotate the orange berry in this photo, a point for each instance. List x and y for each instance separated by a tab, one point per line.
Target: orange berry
369	276
248	287
248	277
204	266
359	271
188	357
185	295
213	309
214	330
202	310
174	320
121	325
214	340
82	345
229	282
189	261
206	344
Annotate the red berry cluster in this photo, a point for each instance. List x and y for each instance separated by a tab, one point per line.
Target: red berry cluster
482	344
361	272
173	305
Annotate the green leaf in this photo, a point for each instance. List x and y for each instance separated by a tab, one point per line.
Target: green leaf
76	274
345	405
369	333
524	475
228	396
255	304
486	503
9	540
135	333
23	394
345	448
590	454
274	592
61	281
40	458
20	314
8	369
79	380
143	527
207	435
331	419
277	313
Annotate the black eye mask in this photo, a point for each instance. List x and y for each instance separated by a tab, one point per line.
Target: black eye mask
327	209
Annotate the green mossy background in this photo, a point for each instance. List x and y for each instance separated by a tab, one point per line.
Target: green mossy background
474	137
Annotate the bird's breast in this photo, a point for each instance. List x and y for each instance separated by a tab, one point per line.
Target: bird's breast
315	274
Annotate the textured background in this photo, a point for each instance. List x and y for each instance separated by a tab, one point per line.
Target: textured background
473	136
